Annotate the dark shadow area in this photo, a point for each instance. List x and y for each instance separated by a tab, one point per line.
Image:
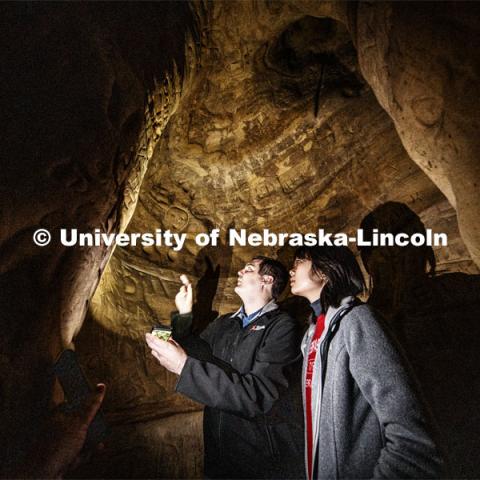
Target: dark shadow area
211	264
139	393
437	321
311	59
71	105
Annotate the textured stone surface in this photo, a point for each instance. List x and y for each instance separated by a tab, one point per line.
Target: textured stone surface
245	149
78	134
431	97
166	448
281	120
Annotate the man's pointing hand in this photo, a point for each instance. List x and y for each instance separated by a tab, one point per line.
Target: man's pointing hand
184	297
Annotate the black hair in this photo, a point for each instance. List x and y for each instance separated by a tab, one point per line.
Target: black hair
275	269
339	265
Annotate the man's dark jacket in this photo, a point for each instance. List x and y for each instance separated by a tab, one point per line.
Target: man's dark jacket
249	382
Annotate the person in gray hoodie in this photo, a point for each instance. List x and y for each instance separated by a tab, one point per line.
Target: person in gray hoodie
364	417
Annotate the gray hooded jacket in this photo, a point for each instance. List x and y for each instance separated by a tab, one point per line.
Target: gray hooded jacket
368	420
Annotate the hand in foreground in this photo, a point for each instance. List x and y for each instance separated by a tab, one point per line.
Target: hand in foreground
184	297
169	354
65	436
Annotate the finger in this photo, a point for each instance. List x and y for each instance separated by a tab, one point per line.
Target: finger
154	342
184	279
151	339
172	341
92	403
157	356
165	351
163	361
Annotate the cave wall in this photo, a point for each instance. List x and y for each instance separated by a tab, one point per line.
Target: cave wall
422	62
261	140
79	131
284	115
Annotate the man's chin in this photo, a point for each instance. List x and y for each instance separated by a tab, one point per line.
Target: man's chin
293	290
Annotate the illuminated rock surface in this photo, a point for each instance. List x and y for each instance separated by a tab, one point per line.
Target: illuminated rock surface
272	118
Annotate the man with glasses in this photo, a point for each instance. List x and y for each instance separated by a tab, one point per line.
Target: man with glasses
253	424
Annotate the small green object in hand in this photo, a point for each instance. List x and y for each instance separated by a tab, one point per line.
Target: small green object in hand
163	333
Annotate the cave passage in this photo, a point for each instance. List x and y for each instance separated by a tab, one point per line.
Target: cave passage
179	119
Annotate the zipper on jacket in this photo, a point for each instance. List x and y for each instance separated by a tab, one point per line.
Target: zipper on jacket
332	330
269	437
220	415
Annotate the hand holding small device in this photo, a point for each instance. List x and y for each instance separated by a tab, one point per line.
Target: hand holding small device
168	353
161	332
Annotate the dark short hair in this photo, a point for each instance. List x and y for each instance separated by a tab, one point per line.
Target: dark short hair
275	269
339	265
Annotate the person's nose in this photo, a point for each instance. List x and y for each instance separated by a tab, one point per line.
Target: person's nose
292	271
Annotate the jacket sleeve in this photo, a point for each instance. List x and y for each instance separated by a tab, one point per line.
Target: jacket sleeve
198	346
381	374
247	394
182	327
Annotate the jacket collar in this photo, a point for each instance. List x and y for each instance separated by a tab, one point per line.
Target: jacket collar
268	307
331	312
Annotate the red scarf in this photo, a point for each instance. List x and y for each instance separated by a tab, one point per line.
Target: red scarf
312	354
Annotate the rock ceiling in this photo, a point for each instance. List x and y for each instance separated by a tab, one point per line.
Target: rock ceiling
286	115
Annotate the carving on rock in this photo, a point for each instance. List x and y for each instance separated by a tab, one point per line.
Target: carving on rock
428	110
242	147
160	195
201	210
81	78
294	177
266	187
422	65
176	218
162	102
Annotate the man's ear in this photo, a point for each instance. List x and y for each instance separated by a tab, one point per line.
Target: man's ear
267	279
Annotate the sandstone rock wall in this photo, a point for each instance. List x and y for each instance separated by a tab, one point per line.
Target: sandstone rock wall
283	115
